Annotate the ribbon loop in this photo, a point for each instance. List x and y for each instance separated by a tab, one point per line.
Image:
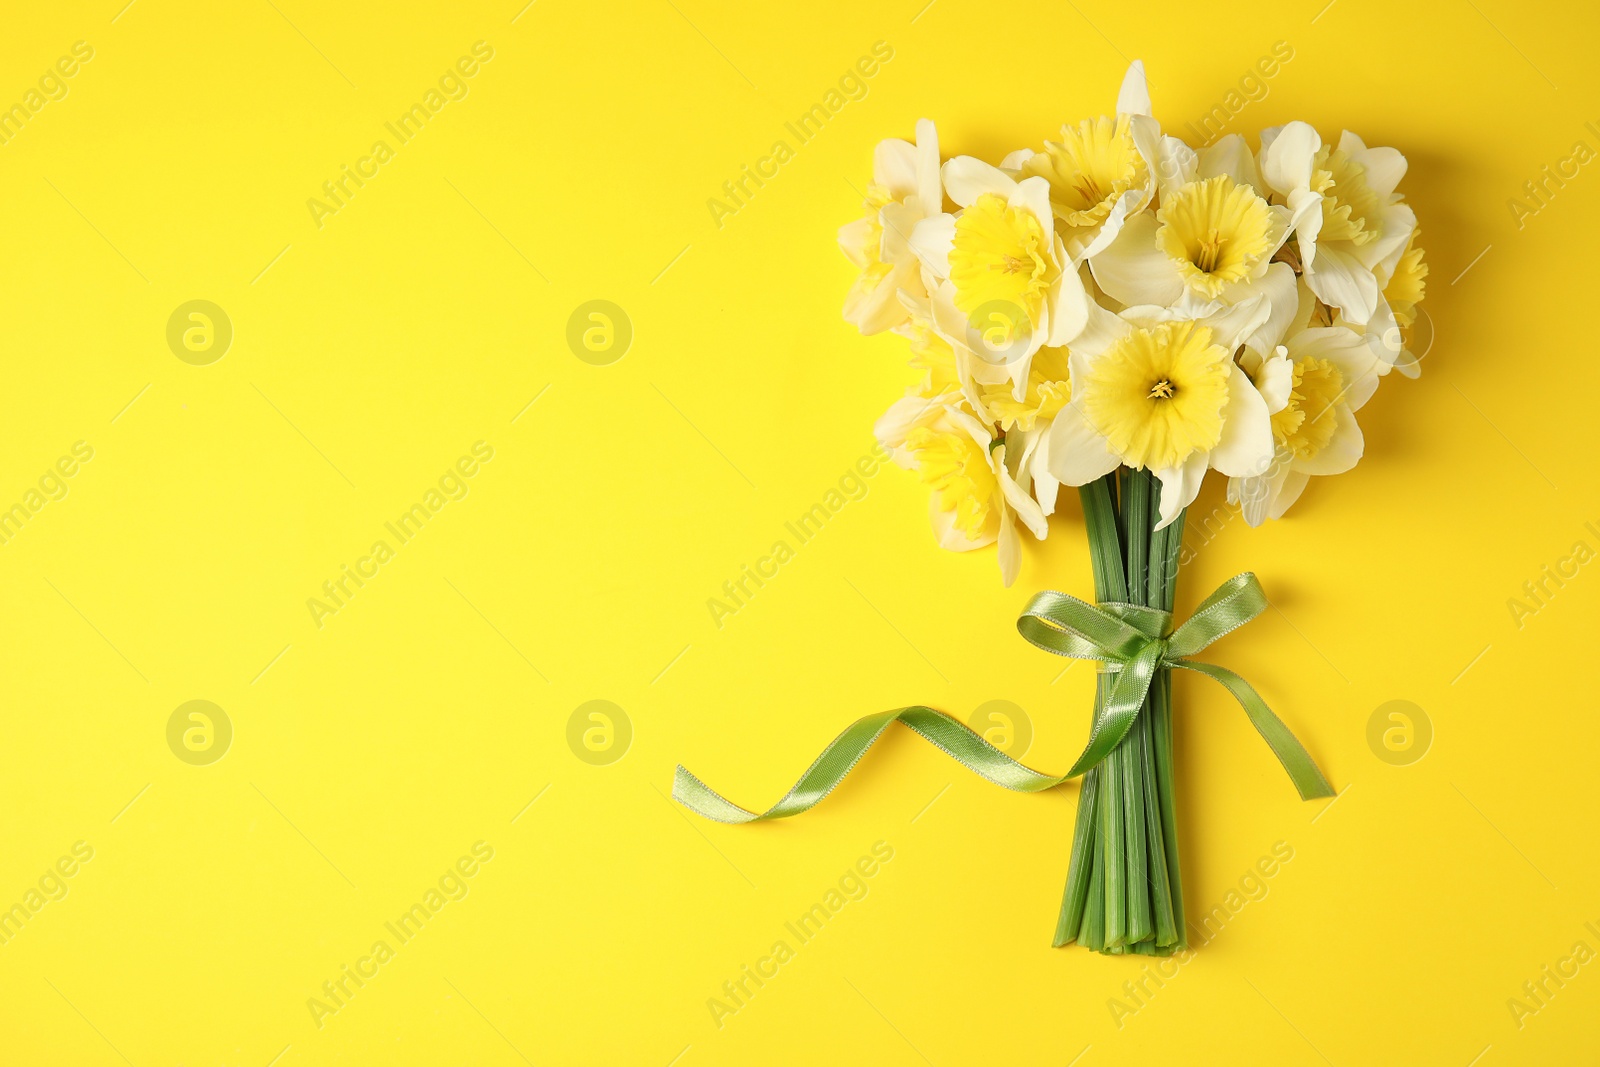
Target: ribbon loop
1130	640
1111	633
1236	602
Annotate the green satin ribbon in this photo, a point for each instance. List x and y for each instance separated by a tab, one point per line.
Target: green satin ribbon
1129	640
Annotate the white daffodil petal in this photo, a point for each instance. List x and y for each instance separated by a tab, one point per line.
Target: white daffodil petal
915	299
930	193
950	324
1286	161
894	166
1014	160
1230	155
1245	449
899	223
1305	219
1133	270
1008	551
1175	166
1385	167
948	321
1232	323
1282	226
1283	300
1398	223
903	416
1275	382
1134	99
1342	451
1046	487
1293	486
932	241
1077	454
1179	487
1340	280
1069	308
966	179
853	240
1256	496
1100	331
1033	196
1147	140
1086	243
875	308
1026	508
1383	336
1046	490
978	431
1018	370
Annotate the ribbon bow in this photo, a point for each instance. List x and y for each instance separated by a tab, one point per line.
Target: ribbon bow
1129	640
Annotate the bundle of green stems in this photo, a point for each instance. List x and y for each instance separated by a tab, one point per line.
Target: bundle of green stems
1124	891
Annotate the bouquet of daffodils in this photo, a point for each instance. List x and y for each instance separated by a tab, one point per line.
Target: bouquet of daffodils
1120	300
1122	312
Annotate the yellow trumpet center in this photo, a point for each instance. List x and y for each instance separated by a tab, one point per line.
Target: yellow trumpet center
1000	257
1049	389
953	465
1306	424
1217	232
1158	394
1350	210
1092	165
1408	284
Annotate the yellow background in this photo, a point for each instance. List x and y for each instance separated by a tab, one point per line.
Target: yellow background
372	752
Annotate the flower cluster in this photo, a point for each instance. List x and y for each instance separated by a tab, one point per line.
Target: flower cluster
1121	299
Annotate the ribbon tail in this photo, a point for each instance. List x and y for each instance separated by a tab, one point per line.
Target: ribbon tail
949	734
1115	715
1301	767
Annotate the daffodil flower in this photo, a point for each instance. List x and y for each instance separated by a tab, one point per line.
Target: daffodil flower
1392	330
1120	299
1154	388
1212	238
1313	385
904	190
978	495
1103	170
1348	221
1003	271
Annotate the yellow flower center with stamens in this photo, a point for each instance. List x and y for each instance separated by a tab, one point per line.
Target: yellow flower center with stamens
1049	389
1093	164
1000	257
953	465
1217	232
1350	209
1408	283
1158	394
1306	424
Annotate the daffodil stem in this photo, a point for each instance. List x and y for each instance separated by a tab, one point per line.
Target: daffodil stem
1083	904
1124	893
1165	580
1130	754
